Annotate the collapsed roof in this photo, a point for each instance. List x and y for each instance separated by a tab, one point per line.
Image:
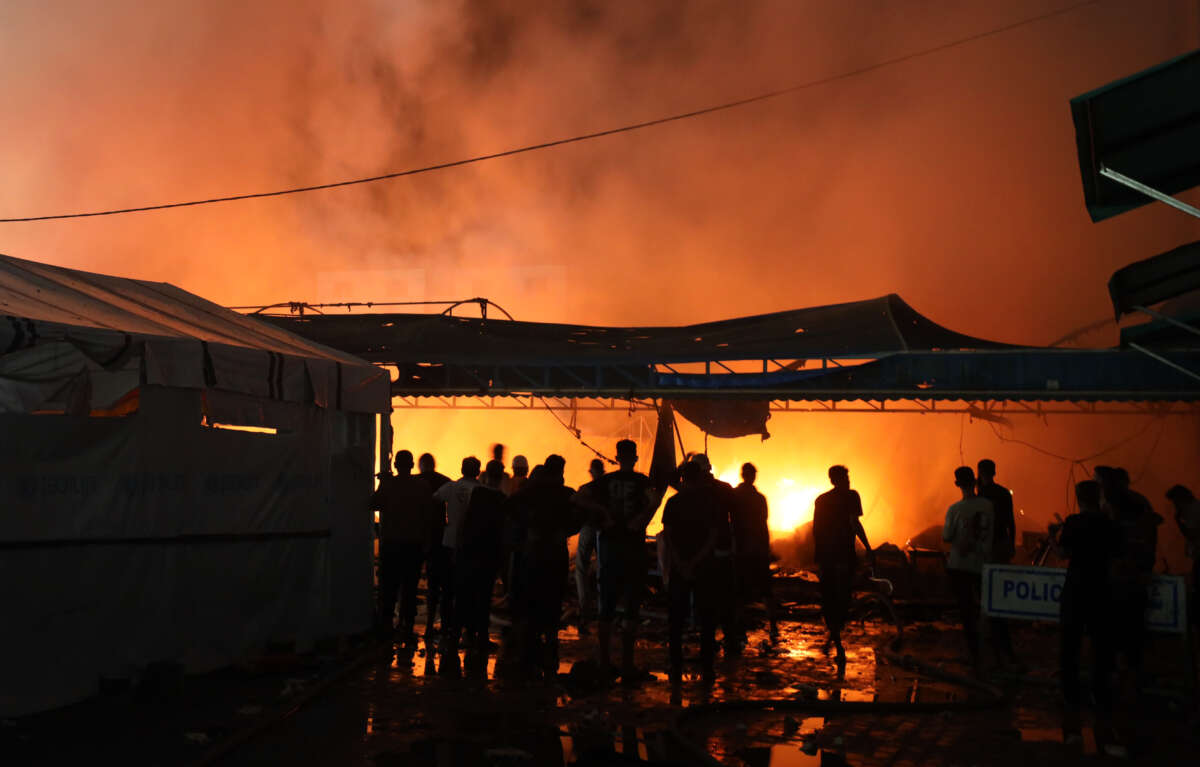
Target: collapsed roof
864	329
800	355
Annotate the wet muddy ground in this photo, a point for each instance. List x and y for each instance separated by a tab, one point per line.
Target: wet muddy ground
780	704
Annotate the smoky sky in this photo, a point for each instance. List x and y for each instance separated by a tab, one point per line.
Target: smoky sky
945	179
950	179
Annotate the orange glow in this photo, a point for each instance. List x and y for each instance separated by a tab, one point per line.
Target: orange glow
237	427
789	503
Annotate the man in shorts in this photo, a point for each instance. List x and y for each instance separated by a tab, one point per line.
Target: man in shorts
837	521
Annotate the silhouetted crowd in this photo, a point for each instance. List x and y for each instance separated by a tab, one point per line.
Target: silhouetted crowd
714	558
489	526
1110	545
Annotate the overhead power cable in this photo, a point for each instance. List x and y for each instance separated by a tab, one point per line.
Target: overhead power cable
571	140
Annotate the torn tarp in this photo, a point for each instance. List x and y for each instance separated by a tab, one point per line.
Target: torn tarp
726	418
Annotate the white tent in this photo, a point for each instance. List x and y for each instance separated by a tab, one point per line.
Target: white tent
132	529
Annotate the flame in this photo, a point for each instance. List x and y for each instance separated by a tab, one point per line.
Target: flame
789	503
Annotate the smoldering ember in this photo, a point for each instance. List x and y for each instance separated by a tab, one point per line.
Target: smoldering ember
759	384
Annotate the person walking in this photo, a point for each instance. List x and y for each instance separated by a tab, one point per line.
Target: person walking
837	521
969	529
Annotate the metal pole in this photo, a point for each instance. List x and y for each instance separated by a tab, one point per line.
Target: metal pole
1151	192
1165	361
1168	320
385	442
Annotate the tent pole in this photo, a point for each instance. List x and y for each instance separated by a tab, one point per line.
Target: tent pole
1151	192
1165	361
385	441
1169	320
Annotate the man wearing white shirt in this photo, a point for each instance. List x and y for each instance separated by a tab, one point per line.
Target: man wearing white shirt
457	496
969	530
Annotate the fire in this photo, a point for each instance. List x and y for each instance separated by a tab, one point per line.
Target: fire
789	503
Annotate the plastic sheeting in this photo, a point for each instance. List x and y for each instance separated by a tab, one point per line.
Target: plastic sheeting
1155	279
856	329
151	538
726	419
77	337
1146	126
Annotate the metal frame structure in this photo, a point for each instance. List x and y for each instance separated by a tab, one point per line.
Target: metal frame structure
981	409
1149	191
1041	381
1191	210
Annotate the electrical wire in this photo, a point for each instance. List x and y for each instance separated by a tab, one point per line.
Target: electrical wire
1150	453
1080	461
575	432
573	139
1072	463
962	427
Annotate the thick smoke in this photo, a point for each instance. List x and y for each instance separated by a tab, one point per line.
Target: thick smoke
950	179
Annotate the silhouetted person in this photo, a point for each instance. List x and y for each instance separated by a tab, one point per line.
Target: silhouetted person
1134	567
520	473
549	519
585	546
627	502
752	546
1004	546
969	530
477	560
498	457
457	496
837	521
725	582
1091	541
1187	516
691	528
512	536
403	502
437	560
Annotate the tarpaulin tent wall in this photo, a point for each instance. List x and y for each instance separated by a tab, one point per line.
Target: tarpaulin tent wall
133	532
